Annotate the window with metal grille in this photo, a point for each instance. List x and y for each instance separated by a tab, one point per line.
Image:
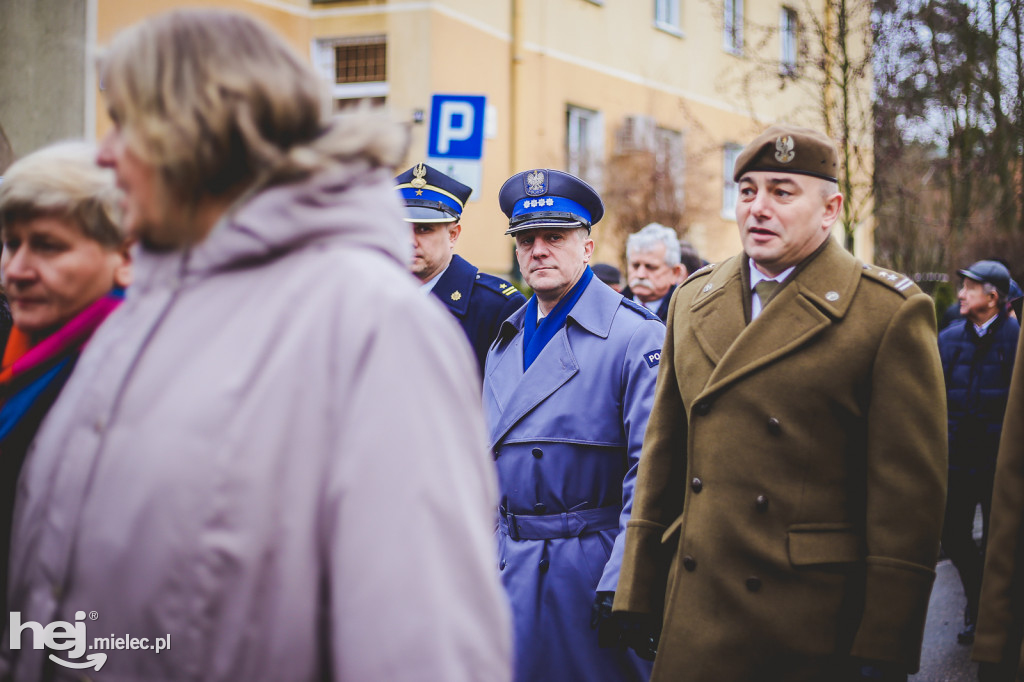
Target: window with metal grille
360	60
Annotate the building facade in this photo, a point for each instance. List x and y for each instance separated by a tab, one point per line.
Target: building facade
649	100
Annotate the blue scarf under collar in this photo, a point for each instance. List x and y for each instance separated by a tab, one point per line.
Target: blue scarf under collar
535	336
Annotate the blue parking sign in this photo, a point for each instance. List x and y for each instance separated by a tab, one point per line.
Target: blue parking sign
457	126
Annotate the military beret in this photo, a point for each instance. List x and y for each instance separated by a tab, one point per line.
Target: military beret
430	196
790	149
548	198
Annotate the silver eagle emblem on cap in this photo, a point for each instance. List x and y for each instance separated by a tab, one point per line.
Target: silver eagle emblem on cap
784	149
536	183
419	176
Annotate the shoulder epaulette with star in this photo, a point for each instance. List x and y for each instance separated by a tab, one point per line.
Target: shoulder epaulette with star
496	284
892	280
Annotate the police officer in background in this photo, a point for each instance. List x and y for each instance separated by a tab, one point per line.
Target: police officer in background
567	392
790	494
654	267
479	301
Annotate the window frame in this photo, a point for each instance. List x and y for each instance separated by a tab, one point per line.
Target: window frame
789	37
730	188
732	26
584	163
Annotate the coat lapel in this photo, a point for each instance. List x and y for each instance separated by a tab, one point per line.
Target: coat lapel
520	392
454	287
819	294
517	392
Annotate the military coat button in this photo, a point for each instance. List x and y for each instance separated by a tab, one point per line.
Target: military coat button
502	565
538	453
702	408
696	485
689	563
774	426
540	507
544	564
761	503
753	583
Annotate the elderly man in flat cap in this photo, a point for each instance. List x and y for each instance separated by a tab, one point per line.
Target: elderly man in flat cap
479	301
790	495
567	392
977	354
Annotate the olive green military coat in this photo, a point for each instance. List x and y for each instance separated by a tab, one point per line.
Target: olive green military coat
791	490
1001	612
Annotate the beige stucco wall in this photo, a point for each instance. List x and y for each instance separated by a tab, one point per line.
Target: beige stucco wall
609	58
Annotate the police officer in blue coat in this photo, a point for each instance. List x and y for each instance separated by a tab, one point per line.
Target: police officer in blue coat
568	386
480	302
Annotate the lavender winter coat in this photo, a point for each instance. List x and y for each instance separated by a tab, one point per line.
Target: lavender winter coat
273	453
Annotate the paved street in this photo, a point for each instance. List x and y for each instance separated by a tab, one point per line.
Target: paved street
942	659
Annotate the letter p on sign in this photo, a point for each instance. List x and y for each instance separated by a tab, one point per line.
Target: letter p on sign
457	126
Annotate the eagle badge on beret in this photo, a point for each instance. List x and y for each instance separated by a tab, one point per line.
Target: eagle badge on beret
784	149
536	183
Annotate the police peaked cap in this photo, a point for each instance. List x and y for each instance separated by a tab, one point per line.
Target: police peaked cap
790	149
548	198
430	196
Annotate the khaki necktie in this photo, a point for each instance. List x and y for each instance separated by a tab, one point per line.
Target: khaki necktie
765	289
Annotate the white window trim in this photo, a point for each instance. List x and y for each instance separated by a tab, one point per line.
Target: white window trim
788	62
730	189
322	54
732	15
669	24
593	173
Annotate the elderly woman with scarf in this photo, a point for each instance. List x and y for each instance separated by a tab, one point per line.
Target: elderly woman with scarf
65	265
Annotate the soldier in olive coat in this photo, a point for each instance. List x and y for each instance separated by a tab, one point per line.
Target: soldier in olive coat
997	642
790	495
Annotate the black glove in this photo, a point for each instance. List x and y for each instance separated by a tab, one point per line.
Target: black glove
639	632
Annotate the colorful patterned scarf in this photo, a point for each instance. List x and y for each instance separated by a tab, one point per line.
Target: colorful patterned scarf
29	372
536	336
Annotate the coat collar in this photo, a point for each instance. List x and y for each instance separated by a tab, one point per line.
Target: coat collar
520	392
455	285
816	296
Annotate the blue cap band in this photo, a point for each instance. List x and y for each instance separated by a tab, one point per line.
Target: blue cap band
430	194
547	205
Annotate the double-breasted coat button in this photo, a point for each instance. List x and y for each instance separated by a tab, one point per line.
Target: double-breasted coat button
496	454
540	507
702	408
544	564
753	583
502	565
538	453
774	426
761	503
689	563
696	485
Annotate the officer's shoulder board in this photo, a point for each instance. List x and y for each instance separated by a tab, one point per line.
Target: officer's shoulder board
639	309
891	280
697	274
496	284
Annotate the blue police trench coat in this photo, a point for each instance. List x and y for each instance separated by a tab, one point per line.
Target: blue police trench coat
566	436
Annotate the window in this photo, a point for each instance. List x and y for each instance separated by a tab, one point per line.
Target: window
730	190
666	15
584	144
355	66
787	38
732	38
670	168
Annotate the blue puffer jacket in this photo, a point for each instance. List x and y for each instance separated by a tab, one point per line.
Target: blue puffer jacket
977	371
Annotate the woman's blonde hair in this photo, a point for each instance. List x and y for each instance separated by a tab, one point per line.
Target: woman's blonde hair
219	103
63	181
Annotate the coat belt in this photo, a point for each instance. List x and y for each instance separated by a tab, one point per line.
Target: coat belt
564	525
